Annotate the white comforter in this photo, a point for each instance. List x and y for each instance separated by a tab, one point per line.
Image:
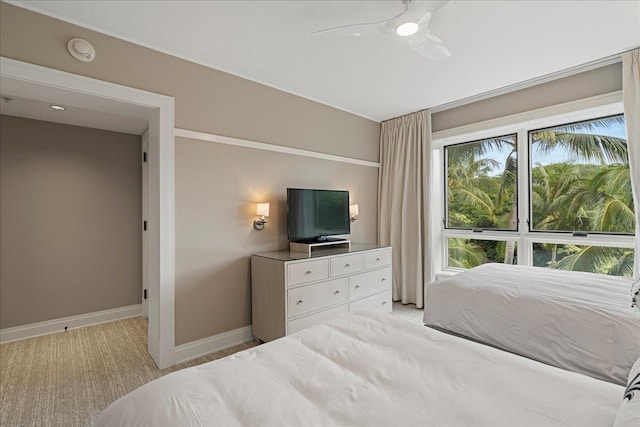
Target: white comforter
577	321
370	369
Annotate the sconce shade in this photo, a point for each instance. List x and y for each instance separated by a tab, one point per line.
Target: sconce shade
353	212
262	209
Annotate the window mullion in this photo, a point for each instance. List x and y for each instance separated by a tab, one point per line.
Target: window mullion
524	187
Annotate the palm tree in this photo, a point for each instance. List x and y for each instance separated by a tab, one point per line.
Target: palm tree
550	186
463	253
612	261
584	197
469	184
604	203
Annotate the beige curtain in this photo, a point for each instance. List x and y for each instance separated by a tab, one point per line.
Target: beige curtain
403	191
631	96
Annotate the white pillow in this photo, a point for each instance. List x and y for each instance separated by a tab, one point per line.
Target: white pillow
629	413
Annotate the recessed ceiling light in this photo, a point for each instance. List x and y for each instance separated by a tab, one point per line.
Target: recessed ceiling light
407	29
57	107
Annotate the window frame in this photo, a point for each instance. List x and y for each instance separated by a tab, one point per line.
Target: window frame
520	124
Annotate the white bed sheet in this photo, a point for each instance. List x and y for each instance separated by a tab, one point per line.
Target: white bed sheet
577	321
370	369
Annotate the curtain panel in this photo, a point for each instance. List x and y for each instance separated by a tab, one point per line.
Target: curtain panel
403	194
631	99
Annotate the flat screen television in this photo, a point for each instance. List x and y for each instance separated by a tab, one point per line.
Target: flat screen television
312	215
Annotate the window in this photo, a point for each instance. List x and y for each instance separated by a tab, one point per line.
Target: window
580	178
481	184
562	200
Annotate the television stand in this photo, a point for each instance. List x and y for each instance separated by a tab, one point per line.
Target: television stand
318	245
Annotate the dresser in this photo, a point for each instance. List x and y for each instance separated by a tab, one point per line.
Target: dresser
291	291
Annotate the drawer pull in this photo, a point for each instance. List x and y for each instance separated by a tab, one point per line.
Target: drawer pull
383	303
384	279
347	265
307	272
300	301
357	286
337	292
377	259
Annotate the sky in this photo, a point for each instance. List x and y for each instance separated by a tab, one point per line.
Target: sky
558	156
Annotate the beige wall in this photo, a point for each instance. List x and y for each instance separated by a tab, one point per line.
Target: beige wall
70	212
217	187
206	100
583	85
217	184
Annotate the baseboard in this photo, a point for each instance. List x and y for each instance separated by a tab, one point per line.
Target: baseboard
195	349
57	325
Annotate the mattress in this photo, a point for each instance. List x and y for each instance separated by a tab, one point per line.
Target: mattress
370	369
577	321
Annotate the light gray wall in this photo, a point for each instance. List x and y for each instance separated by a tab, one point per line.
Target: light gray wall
216	185
70	212
578	86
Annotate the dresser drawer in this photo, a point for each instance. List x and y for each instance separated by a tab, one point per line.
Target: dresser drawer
312	297
308	271
294	326
346	265
368	283
381	301
379	258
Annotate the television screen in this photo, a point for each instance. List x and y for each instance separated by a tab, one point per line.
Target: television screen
315	214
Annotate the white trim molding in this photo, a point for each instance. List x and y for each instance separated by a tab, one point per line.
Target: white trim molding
194	349
71	322
184	133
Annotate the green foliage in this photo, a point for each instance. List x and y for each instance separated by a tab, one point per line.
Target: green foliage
476	195
465	254
598	259
591	192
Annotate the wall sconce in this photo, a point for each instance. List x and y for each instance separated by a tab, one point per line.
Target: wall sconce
353	212
262	210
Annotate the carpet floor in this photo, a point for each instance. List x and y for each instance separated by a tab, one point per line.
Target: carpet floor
67	378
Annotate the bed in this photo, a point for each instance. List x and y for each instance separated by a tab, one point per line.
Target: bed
370	369
582	322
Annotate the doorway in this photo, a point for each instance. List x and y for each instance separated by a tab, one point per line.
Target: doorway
45	84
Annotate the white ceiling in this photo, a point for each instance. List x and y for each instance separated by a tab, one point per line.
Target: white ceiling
41	110
493	43
33	101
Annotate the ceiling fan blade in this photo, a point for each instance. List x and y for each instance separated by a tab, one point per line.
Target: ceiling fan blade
419	12
430	46
359	29
349	30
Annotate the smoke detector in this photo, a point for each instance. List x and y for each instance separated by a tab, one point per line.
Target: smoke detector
81	50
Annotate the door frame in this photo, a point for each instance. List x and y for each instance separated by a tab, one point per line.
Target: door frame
145	215
159	111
